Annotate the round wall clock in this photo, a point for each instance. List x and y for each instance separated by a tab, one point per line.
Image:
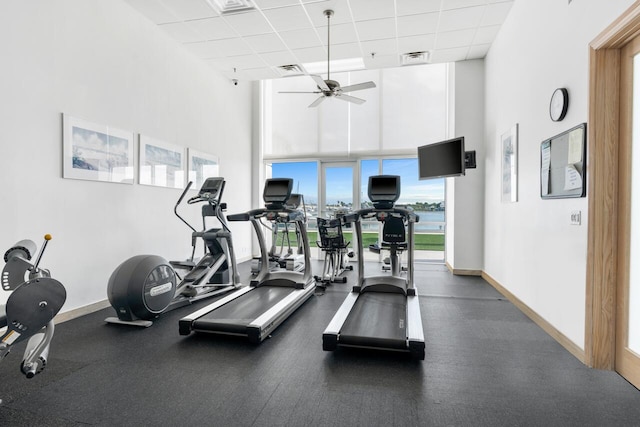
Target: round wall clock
559	104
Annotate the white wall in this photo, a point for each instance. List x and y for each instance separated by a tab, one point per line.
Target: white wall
102	61
530	248
465	237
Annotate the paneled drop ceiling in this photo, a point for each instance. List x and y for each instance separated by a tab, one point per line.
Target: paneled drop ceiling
264	41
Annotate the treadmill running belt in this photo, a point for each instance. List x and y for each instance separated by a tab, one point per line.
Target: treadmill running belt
234	316
377	320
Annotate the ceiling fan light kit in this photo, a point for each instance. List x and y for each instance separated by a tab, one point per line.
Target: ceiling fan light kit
331	88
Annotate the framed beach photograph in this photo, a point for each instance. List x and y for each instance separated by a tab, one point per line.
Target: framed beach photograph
161	164
97	152
201	167
509	144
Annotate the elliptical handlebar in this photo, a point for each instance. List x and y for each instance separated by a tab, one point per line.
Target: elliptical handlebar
175	208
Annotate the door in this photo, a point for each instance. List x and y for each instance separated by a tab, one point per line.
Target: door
627	360
338	188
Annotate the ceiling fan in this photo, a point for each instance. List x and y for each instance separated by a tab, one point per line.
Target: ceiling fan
331	88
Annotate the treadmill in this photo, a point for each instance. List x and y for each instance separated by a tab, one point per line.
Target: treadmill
382	312
255	310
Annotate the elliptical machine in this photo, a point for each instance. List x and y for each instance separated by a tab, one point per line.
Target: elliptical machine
336	251
145	286
31	307
284	260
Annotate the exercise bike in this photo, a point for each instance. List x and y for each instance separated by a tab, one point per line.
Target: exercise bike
145	286
31	307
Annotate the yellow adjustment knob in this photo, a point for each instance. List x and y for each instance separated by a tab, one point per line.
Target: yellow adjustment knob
47	237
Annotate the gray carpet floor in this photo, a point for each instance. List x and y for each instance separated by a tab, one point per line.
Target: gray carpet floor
486	364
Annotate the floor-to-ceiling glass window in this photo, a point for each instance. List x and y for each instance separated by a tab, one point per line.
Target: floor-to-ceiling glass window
426	198
407	108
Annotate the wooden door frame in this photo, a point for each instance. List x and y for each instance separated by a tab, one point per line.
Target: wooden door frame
602	187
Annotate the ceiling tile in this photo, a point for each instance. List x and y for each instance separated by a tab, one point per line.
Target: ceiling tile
416	43
459	19
449	55
478	51
453	39
460	4
341	12
380	47
154	10
261	73
190	9
288	18
219	48
345	51
276	59
269	4
486	35
243	62
364	10
342	33
182	32
413	7
496	13
283	32
376	29
265	43
212	28
248	23
298	39
413	25
310	54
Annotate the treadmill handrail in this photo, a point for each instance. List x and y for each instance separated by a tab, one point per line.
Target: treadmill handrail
279	215
404	213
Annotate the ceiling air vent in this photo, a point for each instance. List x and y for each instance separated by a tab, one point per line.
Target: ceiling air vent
226	7
413	58
289	70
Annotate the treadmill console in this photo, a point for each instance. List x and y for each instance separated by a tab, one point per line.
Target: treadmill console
276	192
384	190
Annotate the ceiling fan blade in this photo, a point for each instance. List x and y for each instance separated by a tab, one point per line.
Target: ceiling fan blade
321	83
351	99
358	86
317	102
286	91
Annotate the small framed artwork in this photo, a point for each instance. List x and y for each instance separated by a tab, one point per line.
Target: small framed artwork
201	167
509	144
160	163
97	152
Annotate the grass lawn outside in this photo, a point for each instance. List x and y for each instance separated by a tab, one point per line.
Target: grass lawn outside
422	241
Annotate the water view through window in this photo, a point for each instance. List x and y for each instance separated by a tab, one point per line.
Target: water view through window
426	198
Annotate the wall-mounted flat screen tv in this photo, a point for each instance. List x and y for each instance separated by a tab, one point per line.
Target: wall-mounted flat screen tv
441	159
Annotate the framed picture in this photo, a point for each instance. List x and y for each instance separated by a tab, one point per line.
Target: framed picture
201	167
97	152
160	163
509	144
